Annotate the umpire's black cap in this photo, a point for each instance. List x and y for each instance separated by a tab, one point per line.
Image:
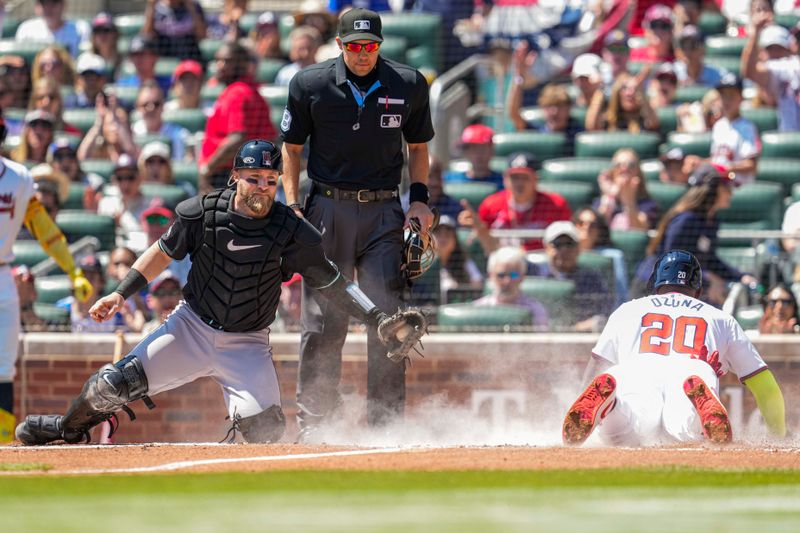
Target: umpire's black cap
258	154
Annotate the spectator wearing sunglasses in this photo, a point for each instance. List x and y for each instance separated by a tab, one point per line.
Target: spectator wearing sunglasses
164	296
47	97
780	311
63	156
105	37
658	24
506	269
50	26
156	219
615	57
624	201
36	136
150	106
593	301
14	71
689	66
155	167
124	200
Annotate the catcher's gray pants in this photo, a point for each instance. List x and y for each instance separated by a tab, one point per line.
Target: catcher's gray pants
365	238
184	348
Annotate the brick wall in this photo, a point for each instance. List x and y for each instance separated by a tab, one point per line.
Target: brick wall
540	367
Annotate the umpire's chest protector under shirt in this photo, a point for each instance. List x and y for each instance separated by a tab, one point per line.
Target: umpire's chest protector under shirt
357	145
235	280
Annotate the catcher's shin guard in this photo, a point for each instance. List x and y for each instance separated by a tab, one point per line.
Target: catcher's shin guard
107	391
266	426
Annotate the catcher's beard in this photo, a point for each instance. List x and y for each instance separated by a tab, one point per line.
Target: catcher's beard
258	203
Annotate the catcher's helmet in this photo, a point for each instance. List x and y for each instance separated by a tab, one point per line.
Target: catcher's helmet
419	248
676	267
258	154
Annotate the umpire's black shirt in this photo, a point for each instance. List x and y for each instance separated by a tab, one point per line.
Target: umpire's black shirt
357	147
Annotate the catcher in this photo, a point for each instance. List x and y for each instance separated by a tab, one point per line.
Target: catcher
242	244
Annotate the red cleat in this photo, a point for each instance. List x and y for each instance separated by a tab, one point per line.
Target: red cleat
598	399
713	416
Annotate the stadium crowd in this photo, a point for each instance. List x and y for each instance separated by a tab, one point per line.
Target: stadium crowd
680	119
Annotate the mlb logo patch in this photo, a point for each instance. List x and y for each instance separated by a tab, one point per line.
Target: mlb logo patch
265	159
390	121
361	25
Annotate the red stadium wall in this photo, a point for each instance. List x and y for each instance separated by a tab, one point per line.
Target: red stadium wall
540	372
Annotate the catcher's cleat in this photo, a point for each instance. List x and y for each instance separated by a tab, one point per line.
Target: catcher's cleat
589	409
713	416
44	429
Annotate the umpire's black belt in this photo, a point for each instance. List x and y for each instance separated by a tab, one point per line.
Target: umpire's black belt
361	195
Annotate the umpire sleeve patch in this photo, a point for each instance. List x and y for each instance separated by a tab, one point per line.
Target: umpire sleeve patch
286	121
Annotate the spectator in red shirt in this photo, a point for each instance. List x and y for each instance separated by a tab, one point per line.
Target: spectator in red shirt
658	26
239	114
518	206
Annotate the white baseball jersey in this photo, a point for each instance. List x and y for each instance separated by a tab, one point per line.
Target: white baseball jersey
784	85
16	190
676	325
735	141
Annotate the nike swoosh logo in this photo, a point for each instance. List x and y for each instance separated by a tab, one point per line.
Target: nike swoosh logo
239	247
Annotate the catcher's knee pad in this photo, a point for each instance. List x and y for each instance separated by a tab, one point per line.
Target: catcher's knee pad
105	392
266	426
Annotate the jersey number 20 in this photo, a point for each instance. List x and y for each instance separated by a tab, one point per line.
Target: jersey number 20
685	334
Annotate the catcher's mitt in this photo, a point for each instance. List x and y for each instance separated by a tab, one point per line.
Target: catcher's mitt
401	332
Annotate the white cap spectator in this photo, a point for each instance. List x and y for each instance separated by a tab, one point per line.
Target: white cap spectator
775	35
89	62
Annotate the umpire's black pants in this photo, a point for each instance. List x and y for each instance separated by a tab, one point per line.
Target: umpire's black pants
365	239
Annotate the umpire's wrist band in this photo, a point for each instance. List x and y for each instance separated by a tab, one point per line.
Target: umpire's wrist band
131	284
418	192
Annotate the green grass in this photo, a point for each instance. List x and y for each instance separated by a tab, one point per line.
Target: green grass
25	467
665	499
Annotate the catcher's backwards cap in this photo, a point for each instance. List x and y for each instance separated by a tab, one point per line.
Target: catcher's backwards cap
676	267
258	154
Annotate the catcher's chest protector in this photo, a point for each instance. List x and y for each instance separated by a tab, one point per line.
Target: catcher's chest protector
235	278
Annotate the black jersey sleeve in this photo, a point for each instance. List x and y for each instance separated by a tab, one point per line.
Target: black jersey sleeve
296	121
419	127
185	235
306	256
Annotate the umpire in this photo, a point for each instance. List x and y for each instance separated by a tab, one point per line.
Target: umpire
242	244
357	109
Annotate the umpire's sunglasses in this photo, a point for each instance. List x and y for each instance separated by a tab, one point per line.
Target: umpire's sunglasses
357	47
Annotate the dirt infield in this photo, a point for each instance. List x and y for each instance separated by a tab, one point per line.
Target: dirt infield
151	458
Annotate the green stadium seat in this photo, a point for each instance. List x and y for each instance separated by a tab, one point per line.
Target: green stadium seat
123	45
24	49
193	120
129	25
209	48
427	289
394	48
723	45
665	194
424	57
460	316
555	295
125	95
472	246
27	252
743	258
75	198
543	145
633	244
10	25
101	167
780	144
184	171
165	66
275	96
268	70
421	31
787	20
781	170
171	195
691	143
600	263
796	192
667	120
576	193
765	118
77	224
749	317
729	63
605	143
51	314
712	23
248	21
211	93
83	119
758	202
578	113
474	193
583	169
276	115
50	289
690	93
